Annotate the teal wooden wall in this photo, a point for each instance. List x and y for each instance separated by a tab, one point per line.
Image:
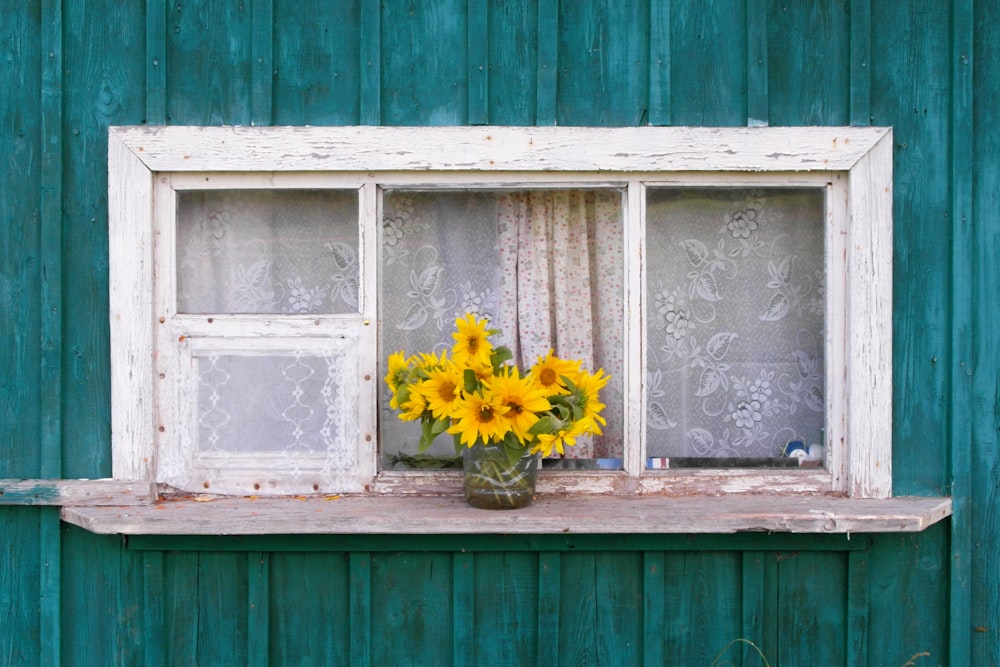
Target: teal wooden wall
929	68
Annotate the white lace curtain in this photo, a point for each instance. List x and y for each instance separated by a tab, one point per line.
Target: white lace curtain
544	266
735	285
735	293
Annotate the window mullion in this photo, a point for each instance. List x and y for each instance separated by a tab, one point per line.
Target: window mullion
635	322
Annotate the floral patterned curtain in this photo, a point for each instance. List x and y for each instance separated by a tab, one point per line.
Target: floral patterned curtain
544	266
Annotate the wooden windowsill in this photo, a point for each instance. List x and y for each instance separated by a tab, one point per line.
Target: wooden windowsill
548	514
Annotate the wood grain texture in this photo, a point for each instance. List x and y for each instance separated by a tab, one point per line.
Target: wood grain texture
548	514
75	492
498	149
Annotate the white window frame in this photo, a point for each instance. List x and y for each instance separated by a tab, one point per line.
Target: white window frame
854	164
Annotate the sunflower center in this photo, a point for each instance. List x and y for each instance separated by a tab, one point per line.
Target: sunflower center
515	407
547	377
447	391
485	414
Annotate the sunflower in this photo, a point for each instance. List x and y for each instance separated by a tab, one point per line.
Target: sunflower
396	376
589	384
549	370
472	347
550	444
523	398
479	417
413	407
442	389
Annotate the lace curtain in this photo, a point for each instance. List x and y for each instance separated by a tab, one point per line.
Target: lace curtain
544	266
273	252
735	288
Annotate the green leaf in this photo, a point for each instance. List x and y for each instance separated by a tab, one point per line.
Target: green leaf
499	356
471	381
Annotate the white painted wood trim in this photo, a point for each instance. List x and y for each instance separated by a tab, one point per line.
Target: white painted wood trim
130	245
681	482
555	514
520	157
869	320
490	149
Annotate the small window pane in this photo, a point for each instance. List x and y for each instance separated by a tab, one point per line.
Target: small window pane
294	404
544	266
735	323
267	251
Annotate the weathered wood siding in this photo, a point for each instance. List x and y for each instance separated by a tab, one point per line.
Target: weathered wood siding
928	68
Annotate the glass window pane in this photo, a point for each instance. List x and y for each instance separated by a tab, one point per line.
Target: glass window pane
735	322
267	251
543	266
293	404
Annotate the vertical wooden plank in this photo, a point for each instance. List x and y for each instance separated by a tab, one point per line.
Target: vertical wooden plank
463	605
654	608
317	60
603	63
513	62
860	71
705	605
51	225
549	623
152	608
908	574
659	62
19	577
577	610
258	609
262	54
857	607
757	63
548	62
222	615
811	609
478	62
156	69
754	609
424	71
360	581
104	87
100	605
984	406
708	84
619	577
50	374
209	63
506	603
807	57
181	594
310	597
20	240
907	94
371	62
962	317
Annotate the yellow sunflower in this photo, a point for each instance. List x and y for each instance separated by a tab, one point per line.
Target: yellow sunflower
523	398
442	389
395	377
413	407
549	370
590	385
472	346
551	444
479	417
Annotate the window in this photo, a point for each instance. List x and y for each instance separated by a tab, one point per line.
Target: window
735	283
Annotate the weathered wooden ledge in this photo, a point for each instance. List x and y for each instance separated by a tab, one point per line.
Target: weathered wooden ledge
549	514
75	492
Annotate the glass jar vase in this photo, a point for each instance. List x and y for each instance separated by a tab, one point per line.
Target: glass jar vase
493	482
